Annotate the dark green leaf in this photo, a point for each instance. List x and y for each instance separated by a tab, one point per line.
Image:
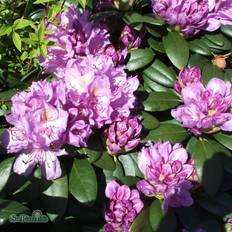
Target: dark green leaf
83	181
227	30
224	139
149	121
206	155
161	73
105	162
176	48
160	101
9	209
209	71
55	197
156	214
199	47
139	58
153	86
5	170
169	132
141	222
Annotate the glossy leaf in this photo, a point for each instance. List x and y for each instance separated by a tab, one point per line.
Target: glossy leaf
160	101
161	73
139	58
83	181
168	132
176	49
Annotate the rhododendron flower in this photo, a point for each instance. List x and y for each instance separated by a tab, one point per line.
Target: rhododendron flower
123	135
74	36
166	174
130	38
188	76
102	91
206	109
122	207
190	15
43	121
220	14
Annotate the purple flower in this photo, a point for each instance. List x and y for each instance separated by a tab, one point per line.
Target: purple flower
39	128
122	207
206	110
123	135
166	174
220	14
102	91
190	15
229	225
130	38
188	76
74	36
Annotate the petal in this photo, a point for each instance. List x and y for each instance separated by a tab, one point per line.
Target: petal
144	159
179	154
217	85
23	164
51	166
192	92
123	193
147	189
111	189
227	126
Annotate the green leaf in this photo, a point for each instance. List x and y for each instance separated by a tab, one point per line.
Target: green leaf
227	30
139	58
200	47
156	45
41	31
153	86
83	181
17	40
55	197
43	1
217	42
5	30
156	214
224	138
133	18
22	23
105	162
198	60
141	222
5	170
160	101
129	165
169	132
161	73
209	71
176	48
82	2
149	121
8	209
206	155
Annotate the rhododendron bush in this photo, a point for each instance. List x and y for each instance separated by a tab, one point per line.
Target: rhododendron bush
116	115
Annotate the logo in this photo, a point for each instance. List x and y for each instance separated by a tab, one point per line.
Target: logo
36	217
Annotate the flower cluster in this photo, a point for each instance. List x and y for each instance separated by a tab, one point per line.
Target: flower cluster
40	124
166	174
193	16
188	76
123	136
205	109
122	208
89	92
74	36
